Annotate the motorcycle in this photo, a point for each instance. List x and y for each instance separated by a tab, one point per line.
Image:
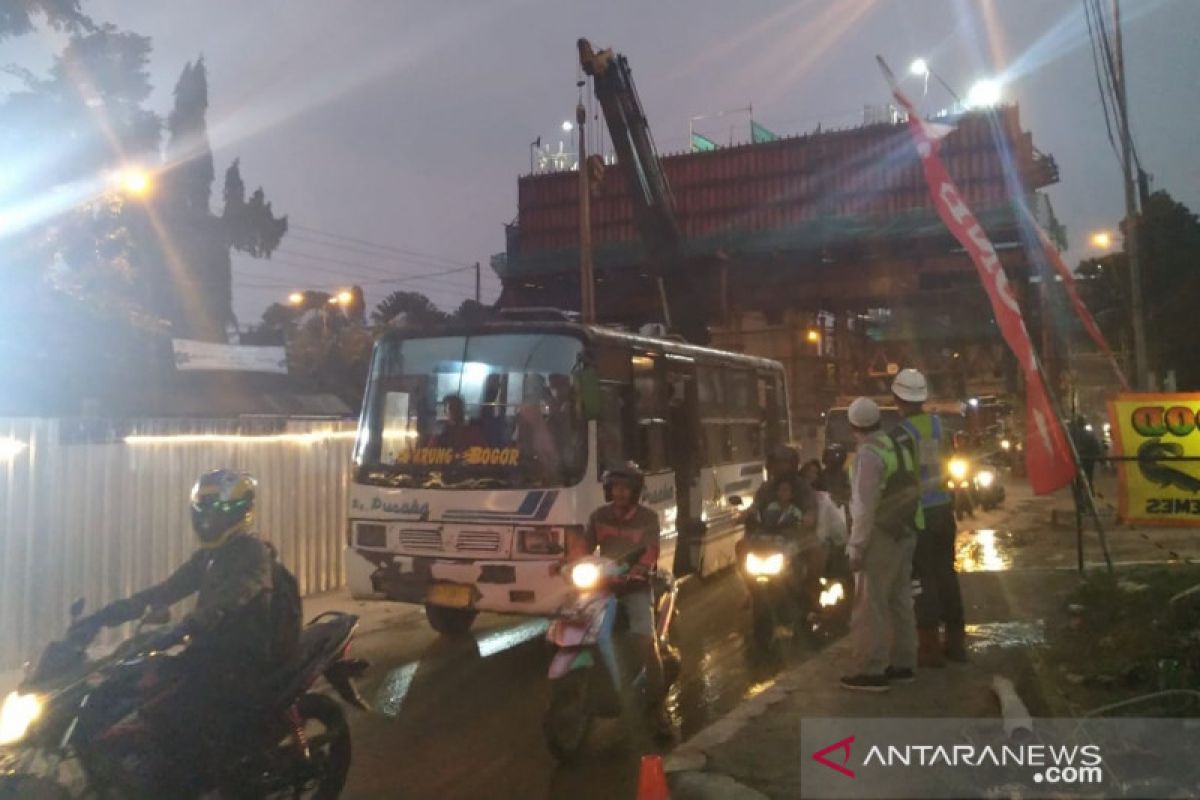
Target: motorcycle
585	679
774	595
776	573
974	482
88	724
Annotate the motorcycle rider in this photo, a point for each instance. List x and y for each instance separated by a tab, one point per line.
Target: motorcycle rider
234	636
618	528
940	599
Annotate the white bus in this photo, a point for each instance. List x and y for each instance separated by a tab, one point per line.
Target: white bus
481	449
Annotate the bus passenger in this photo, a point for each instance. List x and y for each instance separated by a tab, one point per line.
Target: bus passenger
458	434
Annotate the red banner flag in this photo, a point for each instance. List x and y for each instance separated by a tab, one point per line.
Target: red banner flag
1068	282
1048	456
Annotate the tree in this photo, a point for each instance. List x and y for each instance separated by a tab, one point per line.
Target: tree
17	17
203	239
408	309
1169	239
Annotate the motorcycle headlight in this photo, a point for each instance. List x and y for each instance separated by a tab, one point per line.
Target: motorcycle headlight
958	468
766	565
585	575
985	478
17	714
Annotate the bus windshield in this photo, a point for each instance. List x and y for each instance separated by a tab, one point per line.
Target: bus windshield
482	411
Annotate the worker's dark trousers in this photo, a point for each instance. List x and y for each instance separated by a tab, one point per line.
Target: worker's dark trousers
939	599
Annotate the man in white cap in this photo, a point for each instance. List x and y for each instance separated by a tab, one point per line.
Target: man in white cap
940	599
886	513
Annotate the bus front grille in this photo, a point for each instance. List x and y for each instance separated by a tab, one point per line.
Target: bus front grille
478	542
415	539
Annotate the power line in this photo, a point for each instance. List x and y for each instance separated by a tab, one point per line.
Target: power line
346	248
386	247
371	270
377	279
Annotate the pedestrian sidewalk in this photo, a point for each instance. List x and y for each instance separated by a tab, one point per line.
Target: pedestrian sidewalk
755	752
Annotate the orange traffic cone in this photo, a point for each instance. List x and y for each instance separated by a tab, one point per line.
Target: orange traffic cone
652	780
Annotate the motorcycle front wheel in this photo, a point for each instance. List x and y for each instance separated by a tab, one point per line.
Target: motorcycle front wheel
569	716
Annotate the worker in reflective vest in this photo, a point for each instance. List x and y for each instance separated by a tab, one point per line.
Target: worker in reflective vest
939	601
885	510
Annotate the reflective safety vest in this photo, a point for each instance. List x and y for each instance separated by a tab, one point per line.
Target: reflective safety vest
894	495
926	434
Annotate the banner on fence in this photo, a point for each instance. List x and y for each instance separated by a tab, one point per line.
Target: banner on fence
1155	429
193	356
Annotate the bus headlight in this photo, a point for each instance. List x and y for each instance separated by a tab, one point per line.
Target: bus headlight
585	575
18	713
985	478
958	468
764	566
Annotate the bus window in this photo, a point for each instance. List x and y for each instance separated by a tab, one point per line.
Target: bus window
710	389
650	392
611	442
462	411
745	415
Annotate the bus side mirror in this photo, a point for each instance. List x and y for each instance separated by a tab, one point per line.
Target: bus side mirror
591	399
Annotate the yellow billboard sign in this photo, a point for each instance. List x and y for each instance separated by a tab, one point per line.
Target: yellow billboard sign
1154	429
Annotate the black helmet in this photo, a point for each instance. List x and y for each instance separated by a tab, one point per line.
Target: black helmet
630	473
784	453
222	505
834	456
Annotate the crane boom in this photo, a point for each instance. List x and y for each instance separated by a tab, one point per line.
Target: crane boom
653	205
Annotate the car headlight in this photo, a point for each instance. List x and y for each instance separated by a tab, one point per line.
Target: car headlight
958	468
1005	444
18	713
766	566
985	478
585	575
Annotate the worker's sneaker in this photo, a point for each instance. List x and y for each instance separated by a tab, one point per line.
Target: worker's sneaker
866	683
899	675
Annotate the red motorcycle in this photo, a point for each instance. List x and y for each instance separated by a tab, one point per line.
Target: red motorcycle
80	725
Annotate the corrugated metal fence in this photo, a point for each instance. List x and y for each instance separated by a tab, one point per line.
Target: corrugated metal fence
89	510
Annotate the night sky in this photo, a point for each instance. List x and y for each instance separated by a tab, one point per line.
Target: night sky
405	124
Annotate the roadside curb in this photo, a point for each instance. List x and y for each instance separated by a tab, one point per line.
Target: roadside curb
687	766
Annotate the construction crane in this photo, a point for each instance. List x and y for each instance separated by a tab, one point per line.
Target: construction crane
653	205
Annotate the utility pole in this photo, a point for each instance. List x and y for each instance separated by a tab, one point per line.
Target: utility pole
587	305
478	282
1141	359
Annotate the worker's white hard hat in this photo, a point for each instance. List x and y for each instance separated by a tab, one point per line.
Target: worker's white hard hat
910	386
863	413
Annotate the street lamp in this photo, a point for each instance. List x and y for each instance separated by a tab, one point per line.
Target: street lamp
813	336
133	181
567	126
985	93
296	298
344	298
1101	240
919	67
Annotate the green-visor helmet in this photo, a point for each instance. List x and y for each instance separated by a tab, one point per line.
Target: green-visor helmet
222	505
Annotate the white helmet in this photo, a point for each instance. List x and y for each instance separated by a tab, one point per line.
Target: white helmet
910	386
863	413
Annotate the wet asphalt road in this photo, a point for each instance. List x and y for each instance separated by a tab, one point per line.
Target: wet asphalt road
461	717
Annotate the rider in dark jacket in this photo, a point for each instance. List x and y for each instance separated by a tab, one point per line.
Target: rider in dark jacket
234	646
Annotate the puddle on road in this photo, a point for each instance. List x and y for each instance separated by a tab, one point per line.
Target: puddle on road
1004	635
984	550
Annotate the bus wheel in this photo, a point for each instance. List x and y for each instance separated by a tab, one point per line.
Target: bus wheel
450	621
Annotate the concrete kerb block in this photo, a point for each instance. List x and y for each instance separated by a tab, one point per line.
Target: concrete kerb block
710	786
